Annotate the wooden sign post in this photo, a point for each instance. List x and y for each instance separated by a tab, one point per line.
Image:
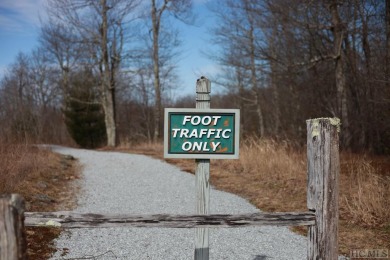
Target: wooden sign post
202	175
202	134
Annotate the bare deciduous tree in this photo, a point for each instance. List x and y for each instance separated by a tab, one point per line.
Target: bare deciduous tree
311	59
100	27
179	9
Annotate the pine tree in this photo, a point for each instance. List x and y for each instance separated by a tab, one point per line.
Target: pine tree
84	116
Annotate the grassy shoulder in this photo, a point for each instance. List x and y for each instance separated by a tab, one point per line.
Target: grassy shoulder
272	176
46	182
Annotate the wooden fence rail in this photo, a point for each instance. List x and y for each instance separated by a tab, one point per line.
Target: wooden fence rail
322	202
75	220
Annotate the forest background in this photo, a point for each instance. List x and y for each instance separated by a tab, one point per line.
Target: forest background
108	68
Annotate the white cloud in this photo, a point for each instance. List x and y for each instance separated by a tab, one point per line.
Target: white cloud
7	23
20	14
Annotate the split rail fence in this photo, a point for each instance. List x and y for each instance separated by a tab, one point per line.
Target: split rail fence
321	217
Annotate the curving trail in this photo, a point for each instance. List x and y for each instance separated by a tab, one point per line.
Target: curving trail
136	184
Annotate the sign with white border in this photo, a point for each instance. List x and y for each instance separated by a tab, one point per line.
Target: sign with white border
201	133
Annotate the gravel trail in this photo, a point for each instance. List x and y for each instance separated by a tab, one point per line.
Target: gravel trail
125	183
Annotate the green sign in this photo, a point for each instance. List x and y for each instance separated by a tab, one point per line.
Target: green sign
201	134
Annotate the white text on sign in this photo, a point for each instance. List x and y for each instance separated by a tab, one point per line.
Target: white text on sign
196	120
200	133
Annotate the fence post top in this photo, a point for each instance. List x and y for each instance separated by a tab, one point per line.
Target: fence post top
15	200
334	121
203	85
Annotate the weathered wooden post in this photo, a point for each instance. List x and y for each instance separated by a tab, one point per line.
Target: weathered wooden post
202	173
12	237
202	134
322	187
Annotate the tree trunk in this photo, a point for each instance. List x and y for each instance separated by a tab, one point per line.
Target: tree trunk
369	121
241	103
108	91
275	91
388	43
145	108
156	71
342	105
109	117
259	113
259	110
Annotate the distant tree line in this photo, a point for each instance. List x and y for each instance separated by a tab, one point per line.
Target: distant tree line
284	61
103	70
106	64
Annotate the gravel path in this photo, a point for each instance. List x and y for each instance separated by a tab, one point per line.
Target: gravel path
126	183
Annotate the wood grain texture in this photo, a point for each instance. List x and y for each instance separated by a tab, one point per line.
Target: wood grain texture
77	220
12	236
322	187
202	176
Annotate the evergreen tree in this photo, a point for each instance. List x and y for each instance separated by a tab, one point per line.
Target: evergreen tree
84	116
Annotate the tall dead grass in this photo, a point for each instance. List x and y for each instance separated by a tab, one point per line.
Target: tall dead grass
365	193
45	180
16	163
273	176
19	163
267	173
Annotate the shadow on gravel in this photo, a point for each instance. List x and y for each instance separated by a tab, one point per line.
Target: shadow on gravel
261	257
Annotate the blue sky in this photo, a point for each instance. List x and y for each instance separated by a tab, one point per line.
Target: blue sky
19	29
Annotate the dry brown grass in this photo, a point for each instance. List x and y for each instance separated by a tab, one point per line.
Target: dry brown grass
266	173
364	202
273	177
365	197
17	162
44	180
